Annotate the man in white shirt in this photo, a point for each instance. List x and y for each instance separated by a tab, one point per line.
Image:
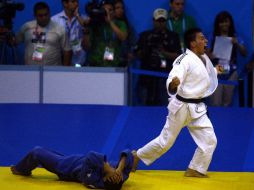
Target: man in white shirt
192	79
44	40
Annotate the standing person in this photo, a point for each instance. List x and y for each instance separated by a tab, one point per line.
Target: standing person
178	21
92	169
106	37
192	79
224	27
156	48
69	20
45	41
128	44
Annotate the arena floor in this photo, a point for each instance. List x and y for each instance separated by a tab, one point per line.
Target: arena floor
141	180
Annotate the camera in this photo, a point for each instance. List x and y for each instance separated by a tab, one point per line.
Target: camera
8	10
95	11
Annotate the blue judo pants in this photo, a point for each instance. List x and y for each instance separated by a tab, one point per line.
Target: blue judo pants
40	156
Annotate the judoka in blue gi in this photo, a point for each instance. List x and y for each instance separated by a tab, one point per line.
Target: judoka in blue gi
93	170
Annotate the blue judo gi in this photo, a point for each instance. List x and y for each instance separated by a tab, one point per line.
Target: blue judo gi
86	169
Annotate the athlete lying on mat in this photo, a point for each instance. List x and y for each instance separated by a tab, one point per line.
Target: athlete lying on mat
93	170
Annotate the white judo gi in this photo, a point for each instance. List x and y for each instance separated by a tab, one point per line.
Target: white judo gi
197	81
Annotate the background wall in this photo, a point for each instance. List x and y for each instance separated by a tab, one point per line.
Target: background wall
72	129
63	85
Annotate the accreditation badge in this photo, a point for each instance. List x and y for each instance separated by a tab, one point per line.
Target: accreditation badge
39	52
76	46
108	54
225	65
163	63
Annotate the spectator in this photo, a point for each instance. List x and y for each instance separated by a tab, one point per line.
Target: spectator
156	49
44	39
91	169
178	21
68	19
129	43
106	35
224	27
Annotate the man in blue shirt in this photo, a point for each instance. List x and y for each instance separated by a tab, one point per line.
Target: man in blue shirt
68	19
93	170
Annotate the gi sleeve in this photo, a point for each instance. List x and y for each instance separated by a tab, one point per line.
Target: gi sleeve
92	170
179	70
128	163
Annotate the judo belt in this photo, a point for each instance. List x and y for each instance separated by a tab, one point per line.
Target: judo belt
190	100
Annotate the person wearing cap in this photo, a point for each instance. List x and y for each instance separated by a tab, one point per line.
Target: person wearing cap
91	169
156	48
192	79
178	21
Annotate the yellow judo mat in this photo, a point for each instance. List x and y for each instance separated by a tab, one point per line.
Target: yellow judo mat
141	180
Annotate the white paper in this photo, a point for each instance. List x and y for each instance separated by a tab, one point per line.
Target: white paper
223	47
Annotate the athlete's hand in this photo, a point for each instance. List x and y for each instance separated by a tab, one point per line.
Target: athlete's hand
219	69
114	177
172	88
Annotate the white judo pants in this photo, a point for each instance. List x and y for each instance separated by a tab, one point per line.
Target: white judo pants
201	130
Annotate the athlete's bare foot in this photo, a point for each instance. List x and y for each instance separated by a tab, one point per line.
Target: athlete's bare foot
16	172
193	173
135	161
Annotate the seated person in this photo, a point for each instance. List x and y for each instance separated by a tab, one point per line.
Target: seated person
92	169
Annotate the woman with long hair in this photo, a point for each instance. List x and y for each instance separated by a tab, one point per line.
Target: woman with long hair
224	27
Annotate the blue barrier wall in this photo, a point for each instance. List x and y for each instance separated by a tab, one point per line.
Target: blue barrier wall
74	129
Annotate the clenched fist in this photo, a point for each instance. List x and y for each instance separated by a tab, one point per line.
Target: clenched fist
172	87
219	69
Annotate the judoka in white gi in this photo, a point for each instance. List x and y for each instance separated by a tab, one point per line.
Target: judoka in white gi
192	79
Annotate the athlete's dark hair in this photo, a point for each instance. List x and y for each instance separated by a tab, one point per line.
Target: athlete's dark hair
190	36
112	186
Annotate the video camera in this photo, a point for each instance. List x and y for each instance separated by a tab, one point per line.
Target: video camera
8	10
95	11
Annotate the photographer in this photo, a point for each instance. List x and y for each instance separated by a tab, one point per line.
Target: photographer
8	10
156	49
106	35
7	51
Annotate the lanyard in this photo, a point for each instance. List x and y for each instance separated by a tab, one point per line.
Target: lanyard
107	38
69	27
183	25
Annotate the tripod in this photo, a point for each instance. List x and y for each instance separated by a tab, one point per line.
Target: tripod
8	54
